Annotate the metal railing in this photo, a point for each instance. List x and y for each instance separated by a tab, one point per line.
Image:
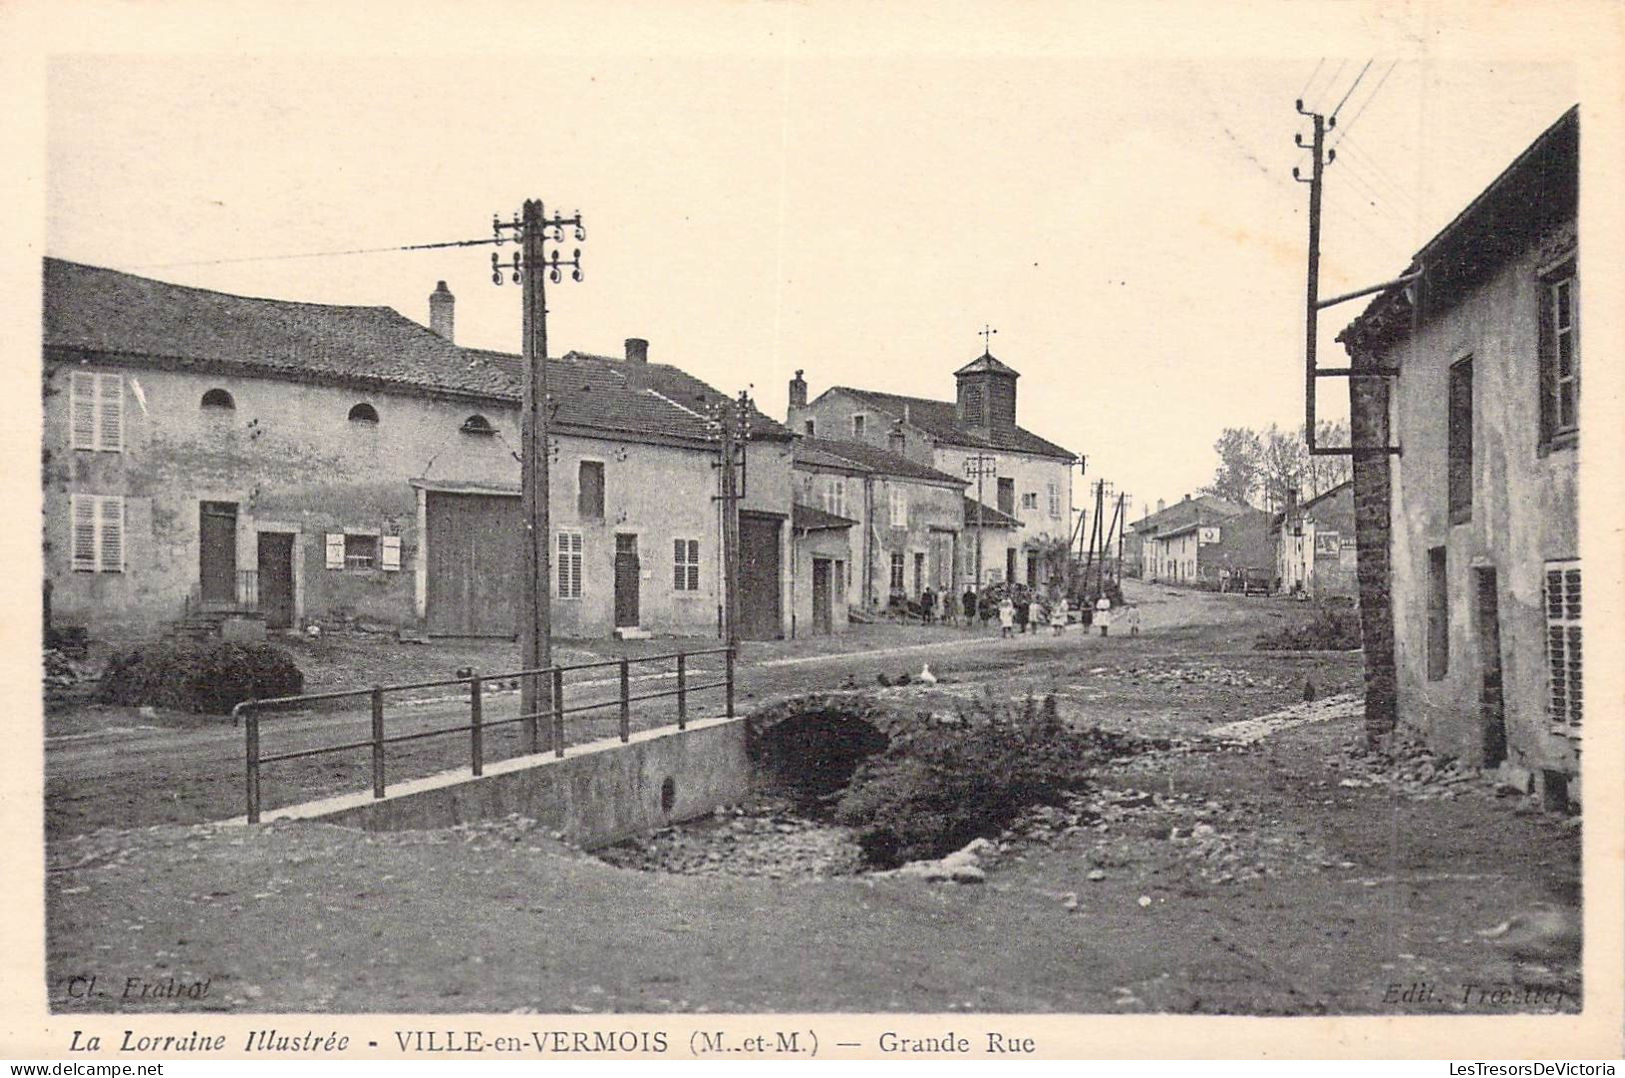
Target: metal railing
249	713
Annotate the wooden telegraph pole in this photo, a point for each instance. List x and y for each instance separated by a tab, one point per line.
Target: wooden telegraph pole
730	427
531	266
980	466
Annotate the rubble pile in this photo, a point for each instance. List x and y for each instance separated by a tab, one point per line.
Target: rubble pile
763	838
62	672
966	865
1413	772
1190	675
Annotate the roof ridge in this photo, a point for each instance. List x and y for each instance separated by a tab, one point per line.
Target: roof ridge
238	295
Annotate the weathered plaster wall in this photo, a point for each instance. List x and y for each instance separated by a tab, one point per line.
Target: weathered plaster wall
832	544
1525	512
290	459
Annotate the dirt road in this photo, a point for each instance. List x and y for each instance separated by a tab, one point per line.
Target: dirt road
129	773
1287	875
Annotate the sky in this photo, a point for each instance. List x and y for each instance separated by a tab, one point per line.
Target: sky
777	199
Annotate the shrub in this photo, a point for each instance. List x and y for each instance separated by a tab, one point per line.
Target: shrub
943	784
209	678
1331	627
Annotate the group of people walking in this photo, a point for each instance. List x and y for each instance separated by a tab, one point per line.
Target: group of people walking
1023	613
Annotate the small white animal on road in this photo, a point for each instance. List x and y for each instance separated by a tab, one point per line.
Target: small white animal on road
927	676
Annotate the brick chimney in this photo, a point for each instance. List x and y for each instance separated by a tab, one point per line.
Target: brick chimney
798	391
442	311
637	350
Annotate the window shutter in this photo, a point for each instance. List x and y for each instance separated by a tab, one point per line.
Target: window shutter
111	544
110	406
84	532
82	409
335	550
389	550
1563	646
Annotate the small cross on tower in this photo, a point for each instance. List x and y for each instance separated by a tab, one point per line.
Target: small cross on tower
987	332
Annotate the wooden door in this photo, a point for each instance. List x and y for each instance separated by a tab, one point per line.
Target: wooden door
759	617
217	552
474	543
822	617
276	579
627	571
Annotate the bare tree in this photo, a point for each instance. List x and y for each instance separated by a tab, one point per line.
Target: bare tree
1283	463
1324	473
1239	473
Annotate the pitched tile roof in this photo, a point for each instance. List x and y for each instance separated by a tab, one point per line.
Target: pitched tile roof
1186	514
810	518
91	309
860	456
991	517
986	362
940	419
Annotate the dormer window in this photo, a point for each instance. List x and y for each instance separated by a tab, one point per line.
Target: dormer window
364	413
478	424
218	399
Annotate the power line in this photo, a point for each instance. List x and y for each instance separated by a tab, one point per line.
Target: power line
1356	154
1352	88
319	254
1344	133
1303	93
1333	80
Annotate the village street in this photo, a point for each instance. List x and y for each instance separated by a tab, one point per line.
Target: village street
1284	875
109	767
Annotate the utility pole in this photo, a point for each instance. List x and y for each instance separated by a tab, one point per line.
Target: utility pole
1118	521
980	466
531	266
1320	158
730	429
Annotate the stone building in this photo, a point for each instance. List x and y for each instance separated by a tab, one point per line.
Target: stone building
1202	541
907	519
1469	559
1027	478
236	459
1314	544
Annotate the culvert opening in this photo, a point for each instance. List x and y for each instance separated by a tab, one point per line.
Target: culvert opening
809	757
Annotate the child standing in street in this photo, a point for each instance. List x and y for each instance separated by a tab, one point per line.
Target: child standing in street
1103	614
1057	616
1007	616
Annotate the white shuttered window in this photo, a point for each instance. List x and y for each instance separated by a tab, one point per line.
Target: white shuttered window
98	533
96	410
568	567
1563	645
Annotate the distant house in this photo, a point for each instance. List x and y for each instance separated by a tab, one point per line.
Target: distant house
907	519
1314	544
253	460
1026	478
1469	554
1203	540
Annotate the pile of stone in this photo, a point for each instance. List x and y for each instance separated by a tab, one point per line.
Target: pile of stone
965	865
1413	772
1192	675
62	672
765	838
